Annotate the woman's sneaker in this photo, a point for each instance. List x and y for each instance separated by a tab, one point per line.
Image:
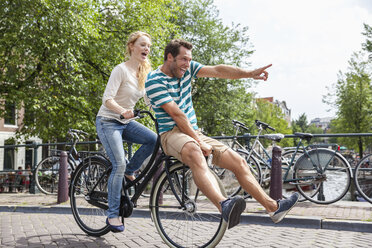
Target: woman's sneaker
283	207
232	208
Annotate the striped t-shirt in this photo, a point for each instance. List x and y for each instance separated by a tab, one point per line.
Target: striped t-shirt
161	89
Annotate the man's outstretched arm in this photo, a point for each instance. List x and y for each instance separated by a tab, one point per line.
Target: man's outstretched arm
233	72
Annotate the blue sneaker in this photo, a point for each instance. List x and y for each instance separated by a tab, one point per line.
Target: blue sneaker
115	229
232	208
283	207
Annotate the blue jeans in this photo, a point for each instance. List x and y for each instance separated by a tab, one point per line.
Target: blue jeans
111	134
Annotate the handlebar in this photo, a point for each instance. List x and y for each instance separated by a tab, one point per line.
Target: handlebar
258	123
76	131
139	113
76	134
263	125
239	124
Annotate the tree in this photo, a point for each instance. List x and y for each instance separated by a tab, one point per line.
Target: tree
353	100
300	125
367	46
56	56
272	115
216	101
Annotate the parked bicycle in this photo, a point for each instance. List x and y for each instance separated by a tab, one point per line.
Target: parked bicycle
321	175
363	177
181	213
47	171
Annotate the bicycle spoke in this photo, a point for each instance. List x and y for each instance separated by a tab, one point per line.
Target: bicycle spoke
196	222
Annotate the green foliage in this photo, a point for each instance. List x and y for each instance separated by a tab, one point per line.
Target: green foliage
272	115
56	56
367	46
216	101
353	99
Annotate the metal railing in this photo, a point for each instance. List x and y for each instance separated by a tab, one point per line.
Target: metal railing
7	177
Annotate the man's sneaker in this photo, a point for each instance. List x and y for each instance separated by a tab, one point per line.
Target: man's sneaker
283	207
232	208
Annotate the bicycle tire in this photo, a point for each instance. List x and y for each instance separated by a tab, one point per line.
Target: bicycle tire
91	219
363	177
329	182
199	225
47	175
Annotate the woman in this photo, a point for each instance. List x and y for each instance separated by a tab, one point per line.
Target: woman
124	88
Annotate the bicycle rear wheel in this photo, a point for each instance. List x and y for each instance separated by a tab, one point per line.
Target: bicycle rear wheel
88	195
47	175
196	224
363	178
324	176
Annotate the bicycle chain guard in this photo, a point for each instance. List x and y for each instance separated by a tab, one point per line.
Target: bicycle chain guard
126	206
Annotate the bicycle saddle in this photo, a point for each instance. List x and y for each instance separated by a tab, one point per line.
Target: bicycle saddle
274	136
304	135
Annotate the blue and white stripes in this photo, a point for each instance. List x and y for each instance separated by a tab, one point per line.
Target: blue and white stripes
161	89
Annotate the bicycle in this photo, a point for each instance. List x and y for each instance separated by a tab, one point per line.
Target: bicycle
320	175
47	171
181	213
253	162
363	177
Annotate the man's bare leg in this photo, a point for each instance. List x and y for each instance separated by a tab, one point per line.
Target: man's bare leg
203	178
232	161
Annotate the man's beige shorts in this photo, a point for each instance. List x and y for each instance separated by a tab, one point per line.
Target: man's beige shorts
174	140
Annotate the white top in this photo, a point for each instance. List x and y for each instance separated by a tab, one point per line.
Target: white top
122	87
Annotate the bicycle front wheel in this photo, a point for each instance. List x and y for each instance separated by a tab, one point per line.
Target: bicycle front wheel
88	195
47	175
187	218
323	176
363	178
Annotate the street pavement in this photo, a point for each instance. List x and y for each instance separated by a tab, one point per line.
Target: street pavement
36	220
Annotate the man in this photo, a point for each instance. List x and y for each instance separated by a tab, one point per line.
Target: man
169	91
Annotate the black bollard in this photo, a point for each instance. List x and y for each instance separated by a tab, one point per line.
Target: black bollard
276	181
63	177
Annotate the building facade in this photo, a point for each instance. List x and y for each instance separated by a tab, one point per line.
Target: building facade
283	107
323	123
12	158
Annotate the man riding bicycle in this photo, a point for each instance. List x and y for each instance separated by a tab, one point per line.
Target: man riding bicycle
169	91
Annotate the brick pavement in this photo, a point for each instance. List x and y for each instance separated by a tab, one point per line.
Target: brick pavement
31	230
342	210
342	215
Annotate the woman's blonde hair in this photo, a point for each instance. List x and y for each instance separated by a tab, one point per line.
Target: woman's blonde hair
145	66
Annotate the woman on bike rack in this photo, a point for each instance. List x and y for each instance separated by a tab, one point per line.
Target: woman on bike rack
124	88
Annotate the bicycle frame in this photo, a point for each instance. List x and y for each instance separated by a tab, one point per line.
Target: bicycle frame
148	173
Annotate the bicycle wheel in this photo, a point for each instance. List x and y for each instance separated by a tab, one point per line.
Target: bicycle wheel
363	178
88	195
197	223
324	176
47	175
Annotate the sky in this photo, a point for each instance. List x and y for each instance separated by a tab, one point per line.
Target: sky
308	42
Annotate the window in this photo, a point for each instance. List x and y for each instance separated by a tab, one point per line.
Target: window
9	155
10	114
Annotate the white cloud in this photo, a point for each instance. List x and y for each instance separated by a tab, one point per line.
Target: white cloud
308	42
